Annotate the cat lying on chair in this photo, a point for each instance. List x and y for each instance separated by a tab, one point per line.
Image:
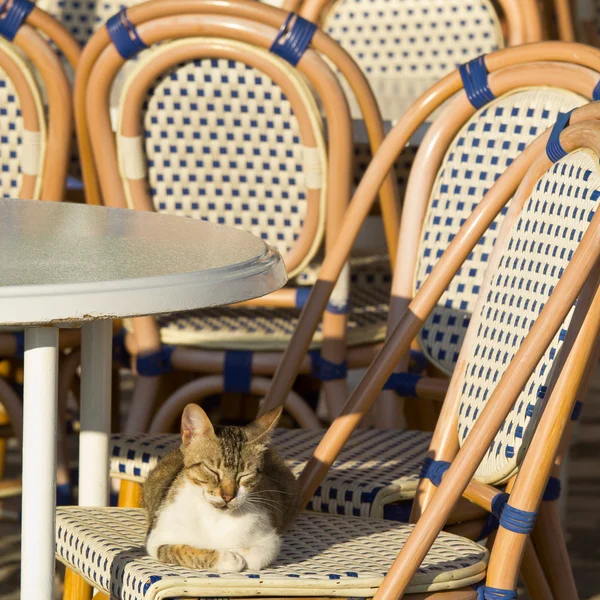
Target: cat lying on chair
223	499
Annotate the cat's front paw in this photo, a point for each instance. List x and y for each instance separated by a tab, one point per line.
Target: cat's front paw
230	562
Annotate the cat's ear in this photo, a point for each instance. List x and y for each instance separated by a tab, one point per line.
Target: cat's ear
195	423
260	429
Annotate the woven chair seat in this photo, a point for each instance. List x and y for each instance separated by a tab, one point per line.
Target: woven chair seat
270	329
322	555
375	468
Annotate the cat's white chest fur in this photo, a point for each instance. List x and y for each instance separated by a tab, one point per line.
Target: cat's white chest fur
189	519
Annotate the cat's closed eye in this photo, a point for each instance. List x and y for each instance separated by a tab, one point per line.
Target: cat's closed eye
244	477
202	473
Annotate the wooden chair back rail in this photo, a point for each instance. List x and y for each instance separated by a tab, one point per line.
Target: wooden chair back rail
260	13
60	120
456	479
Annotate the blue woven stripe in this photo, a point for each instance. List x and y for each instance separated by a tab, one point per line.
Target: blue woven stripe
14	17
517	520
489	593
404	384
576	411
596	92
433	470
336	309
156	363
325	370
124	35
554	150
552	491
237	371
474	76
293	38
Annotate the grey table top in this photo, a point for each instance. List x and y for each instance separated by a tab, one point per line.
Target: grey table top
73	263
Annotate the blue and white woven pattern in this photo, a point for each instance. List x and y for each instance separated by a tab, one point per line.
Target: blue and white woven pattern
414	38
323	555
479	154
375	468
534	256
270	329
223	144
20	150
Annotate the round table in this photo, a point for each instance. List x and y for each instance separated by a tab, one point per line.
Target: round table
76	265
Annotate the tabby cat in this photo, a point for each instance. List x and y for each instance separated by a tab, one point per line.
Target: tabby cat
222	500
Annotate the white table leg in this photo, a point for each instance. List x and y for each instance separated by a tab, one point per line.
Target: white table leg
39	463
96	365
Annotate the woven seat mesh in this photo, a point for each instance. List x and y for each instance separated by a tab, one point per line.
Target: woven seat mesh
11	138
266	328
481	151
375	468
534	258
413	38
322	555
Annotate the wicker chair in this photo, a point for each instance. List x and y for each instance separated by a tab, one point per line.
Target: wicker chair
544	244
538	107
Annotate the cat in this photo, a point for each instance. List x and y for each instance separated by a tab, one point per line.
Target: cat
222	500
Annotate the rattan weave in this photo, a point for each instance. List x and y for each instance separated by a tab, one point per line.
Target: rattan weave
533	259
479	154
322	555
414	38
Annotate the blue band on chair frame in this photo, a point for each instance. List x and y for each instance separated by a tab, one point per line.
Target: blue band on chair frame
596	92
485	592
325	370
237	371
302	294
404	384
552	491
554	150
336	309
517	520
294	37
474	76
433	470
124	35
13	18
419	360
576	411
157	363
498	503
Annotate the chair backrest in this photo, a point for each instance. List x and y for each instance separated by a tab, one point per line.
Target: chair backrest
532	256
412	38
480	152
226	132
22	127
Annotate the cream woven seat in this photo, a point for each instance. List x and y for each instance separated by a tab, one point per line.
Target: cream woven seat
270	328
375	469
322	555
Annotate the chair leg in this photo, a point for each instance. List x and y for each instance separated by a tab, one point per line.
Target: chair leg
76	587
551	548
462	594
130	494
534	576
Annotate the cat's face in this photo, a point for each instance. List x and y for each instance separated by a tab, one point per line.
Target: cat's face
225	464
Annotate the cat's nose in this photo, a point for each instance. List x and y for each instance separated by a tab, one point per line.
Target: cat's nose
227	498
